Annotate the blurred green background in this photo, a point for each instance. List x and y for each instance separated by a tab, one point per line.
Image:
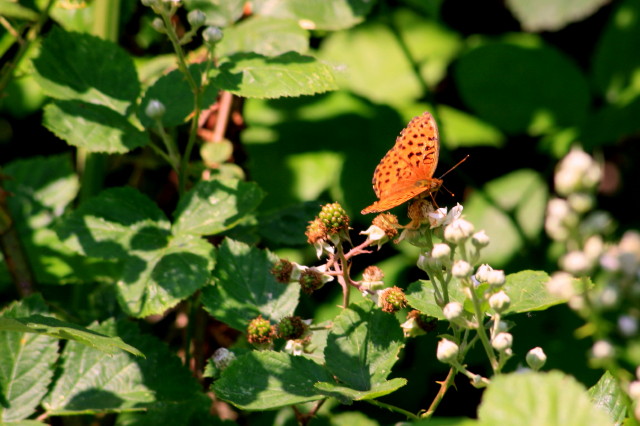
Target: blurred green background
514	84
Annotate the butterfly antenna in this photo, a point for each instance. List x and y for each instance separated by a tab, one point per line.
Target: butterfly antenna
457	164
447	189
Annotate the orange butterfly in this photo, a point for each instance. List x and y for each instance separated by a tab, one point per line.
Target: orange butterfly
407	169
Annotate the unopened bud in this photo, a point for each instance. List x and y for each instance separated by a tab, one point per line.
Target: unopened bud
155	109
447	351
499	301
212	35
536	358
502	341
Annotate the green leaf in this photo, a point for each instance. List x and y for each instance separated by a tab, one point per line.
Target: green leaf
26	363
539	89
93	127
541	399
85	68
245	288
264	35
316	14
175	93
256	76
616	63
215	206
42	188
608	125
95	382
607	395
55	328
219	13
314	172
464	130
527	292
156	280
552	15
266	380
345	395
12	10
421	296
363	345
114	223
511	210
286	227
373	64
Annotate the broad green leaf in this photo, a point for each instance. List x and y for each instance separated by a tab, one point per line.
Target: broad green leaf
615	64
215	206
608	125
256	76
286	227
156	280
85	68
93	127
316	14
26	363
94	382
607	395
13	10
264	380
314	172
55	328
552	15
264	35
114	223
372	64
42	188
347	395
535	399
459	129
245	288
362	346
421	296
175	93
527	292
539	89
511	210
219	13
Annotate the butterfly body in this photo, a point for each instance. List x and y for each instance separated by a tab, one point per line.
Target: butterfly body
406	171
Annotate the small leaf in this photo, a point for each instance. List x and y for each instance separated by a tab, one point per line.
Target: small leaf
316	14
245	288
363	345
57	329
219	13
526	96
346	395
552	15
542	399
607	395
94	382
92	127
26	363
86	68
175	93
465	130
215	206
527	292
314	173
291	74
264	35
266	380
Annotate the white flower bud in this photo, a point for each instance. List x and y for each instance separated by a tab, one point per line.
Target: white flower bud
212	35
482	273
502	341
634	390
447	351
536	358
158	25
437	217
602	350
503	326
496	277
593	247
294	347
480	239
374	233
441	251
576	172
499	301
196	18
458	231
461	269
561	285
576	263
155	109
560	217
222	357
627	325
452	310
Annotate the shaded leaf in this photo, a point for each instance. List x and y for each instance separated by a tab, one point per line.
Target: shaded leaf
215	206
219	13
263	380
316	14
245	288
552	15
264	35
92	127
255	76
346	395
86	68
607	395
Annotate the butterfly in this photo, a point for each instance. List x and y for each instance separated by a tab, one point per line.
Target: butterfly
407	169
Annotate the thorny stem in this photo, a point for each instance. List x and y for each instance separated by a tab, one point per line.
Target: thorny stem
444	387
305	418
393	408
